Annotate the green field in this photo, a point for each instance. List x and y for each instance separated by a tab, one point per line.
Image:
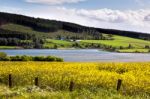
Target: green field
121	41
9	47
61	42
124	42
50	43
134	50
33	92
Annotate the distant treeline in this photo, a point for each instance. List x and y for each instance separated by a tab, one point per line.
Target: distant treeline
13	38
45	25
138	35
15	34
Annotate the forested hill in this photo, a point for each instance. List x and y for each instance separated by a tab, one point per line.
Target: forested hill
52	26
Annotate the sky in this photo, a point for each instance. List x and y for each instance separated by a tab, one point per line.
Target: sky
132	15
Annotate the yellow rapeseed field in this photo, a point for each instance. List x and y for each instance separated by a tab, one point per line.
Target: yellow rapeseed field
135	76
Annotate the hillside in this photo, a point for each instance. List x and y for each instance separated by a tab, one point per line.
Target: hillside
18	31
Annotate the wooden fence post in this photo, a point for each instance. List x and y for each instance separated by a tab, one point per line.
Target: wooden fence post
36	81
119	84
10	80
71	86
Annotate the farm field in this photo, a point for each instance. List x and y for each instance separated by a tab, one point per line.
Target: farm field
50	43
134	50
91	80
121	41
9	47
124	42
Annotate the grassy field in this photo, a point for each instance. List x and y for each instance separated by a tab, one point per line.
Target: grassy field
134	50
92	80
50	43
9	47
120	41
32	92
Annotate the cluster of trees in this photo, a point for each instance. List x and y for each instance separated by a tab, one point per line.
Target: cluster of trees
147	46
94	45
97	36
35	43
4	57
15	34
14	38
9	41
103	46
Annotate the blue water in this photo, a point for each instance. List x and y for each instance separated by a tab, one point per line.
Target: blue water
83	55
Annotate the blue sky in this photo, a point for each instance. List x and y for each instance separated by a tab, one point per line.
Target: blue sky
87	4
131	15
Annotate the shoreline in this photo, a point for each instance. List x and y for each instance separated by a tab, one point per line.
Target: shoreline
76	49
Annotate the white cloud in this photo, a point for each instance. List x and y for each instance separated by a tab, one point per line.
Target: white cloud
54	2
133	20
136	17
147	18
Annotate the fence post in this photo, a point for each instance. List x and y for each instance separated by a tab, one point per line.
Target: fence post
10	80
36	81
119	84
71	86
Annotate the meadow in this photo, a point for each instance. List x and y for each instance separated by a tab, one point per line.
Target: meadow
91	80
50	43
122	44
122	41
9	47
